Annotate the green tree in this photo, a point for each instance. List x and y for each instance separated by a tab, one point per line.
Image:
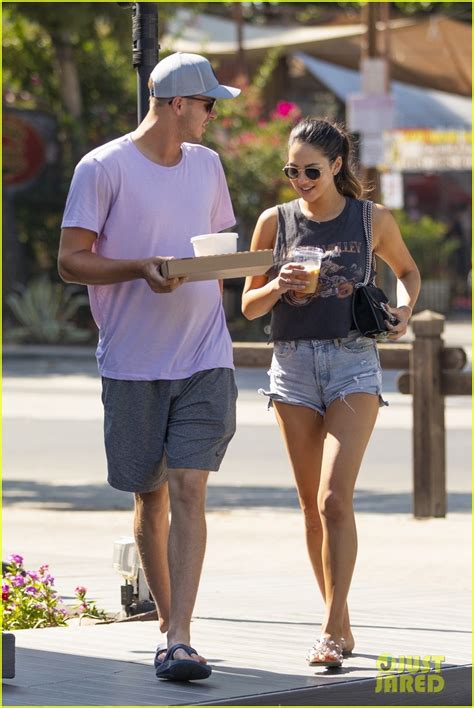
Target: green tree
72	61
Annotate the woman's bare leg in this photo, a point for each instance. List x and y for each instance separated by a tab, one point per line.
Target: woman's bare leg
303	434
348	425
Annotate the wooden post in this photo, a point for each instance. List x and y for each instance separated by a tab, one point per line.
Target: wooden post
429	456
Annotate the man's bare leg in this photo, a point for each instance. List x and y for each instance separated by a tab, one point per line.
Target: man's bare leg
151	526
186	548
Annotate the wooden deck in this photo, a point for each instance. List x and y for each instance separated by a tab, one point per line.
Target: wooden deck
255	619
254	663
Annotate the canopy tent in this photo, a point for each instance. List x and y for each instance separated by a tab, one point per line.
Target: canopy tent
433	53
414	107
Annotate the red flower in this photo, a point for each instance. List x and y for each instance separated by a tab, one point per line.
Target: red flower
284	108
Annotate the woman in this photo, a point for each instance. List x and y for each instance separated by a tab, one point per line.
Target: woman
325	379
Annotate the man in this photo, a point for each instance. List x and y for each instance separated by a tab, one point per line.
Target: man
164	351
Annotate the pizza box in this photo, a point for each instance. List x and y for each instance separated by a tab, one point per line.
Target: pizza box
227	265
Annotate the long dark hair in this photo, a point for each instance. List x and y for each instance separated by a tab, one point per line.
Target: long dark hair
333	140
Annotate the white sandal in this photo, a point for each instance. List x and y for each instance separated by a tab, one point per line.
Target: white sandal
321	650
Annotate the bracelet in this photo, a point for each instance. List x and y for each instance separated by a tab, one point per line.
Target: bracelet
409	307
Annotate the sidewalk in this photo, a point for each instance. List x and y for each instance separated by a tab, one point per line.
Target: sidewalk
257	613
258	609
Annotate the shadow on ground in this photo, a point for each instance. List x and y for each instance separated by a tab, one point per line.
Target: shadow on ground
101	497
52	678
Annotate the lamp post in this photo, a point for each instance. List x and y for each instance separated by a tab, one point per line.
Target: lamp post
145	48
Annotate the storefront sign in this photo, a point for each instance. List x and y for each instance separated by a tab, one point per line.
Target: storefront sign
29	145
428	150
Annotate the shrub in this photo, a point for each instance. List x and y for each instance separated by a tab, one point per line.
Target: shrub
45	311
426	240
29	600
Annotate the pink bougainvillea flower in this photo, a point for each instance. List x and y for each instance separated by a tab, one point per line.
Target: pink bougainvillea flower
18	581
284	108
80	590
33	575
43	569
16	558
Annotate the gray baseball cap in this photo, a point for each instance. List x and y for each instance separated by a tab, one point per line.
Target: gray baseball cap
184	74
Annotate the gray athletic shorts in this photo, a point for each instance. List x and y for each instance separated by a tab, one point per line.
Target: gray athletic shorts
154	426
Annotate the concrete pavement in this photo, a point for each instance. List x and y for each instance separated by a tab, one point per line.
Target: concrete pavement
258	608
257	613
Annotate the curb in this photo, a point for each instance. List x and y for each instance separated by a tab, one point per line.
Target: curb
15	351
8	655
358	692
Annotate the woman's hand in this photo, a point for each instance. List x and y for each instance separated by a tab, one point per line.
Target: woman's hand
402	314
292	276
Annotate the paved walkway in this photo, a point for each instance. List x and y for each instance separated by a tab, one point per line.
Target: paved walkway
258	609
257	613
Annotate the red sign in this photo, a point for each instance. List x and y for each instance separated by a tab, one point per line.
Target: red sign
24	154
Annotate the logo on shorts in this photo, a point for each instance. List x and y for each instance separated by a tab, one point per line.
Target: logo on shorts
409	674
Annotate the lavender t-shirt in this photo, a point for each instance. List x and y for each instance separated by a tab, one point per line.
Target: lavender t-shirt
140	209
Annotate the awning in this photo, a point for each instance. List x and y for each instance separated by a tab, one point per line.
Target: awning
414	107
432	53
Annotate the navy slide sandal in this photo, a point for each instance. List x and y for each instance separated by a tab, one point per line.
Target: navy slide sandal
180	669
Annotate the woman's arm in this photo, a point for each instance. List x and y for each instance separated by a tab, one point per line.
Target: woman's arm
390	247
261	294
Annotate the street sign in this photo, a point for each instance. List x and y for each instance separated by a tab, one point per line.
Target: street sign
374	75
391	186
371	149
370	113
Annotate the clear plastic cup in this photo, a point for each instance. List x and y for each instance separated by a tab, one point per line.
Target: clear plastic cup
310	257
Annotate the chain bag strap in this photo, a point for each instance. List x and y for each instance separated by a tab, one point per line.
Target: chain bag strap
368	312
367	210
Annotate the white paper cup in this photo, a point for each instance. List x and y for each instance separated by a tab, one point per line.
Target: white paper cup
214	244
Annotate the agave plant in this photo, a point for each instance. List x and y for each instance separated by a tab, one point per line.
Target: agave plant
45	311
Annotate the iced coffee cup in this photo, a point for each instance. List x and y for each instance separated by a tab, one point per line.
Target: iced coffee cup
310	258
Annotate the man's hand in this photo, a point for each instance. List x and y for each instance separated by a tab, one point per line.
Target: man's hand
152	275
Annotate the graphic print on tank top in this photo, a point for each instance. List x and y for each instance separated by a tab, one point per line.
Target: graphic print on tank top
327	313
335	279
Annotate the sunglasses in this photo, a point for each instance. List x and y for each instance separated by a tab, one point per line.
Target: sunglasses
311	173
209	103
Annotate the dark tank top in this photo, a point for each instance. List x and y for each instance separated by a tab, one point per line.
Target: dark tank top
327	314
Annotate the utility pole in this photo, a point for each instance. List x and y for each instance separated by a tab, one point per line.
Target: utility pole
145	48
239	21
371	112
369	14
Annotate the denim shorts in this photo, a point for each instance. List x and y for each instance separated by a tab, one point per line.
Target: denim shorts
153	427
316	372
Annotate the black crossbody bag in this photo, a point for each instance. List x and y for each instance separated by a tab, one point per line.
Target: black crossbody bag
368	301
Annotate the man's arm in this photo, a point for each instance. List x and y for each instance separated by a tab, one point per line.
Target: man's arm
78	264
